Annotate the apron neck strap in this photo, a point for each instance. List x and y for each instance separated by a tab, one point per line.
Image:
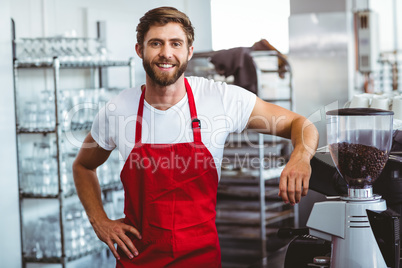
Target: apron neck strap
138	125
195	122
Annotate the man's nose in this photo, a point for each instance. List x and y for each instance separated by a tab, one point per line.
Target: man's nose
165	52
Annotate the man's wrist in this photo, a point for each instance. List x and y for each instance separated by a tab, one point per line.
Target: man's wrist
303	153
94	220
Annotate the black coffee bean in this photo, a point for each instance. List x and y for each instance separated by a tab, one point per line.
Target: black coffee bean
360	165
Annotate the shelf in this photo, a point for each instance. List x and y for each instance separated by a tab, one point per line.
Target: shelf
250	176
63	65
73	127
38	196
248	137
276	100
78	127
247	218
249	205
226	231
59	259
23	130
253	141
42	260
245	191
115	186
269	71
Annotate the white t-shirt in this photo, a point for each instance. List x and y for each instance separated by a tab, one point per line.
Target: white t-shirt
221	108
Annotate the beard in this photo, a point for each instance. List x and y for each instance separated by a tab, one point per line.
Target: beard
163	79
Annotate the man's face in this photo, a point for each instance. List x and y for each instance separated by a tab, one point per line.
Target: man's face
165	53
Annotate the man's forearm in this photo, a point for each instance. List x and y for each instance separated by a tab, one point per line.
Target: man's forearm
89	192
304	138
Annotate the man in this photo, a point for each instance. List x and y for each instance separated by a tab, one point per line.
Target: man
171	132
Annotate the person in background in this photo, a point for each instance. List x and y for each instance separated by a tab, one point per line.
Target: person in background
171	133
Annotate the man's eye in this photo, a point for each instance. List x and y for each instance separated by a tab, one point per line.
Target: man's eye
177	44
155	44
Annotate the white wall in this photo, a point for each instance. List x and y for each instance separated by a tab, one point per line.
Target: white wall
10	250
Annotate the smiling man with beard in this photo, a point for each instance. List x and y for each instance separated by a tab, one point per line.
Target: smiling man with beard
170	207
171	69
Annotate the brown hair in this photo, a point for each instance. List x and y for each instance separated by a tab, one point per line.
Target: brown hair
162	16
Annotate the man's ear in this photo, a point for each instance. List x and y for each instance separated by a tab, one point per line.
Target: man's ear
190	52
138	49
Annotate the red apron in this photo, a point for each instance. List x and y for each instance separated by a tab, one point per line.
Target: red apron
170	197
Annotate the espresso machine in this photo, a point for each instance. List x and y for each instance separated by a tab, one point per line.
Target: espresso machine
357	228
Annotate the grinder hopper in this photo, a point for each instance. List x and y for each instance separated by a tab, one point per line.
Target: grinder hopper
359	141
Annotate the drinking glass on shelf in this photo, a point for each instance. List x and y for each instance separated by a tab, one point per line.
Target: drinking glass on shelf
64	110
37	251
78	116
45	168
24	56
65	177
87	53
101	54
55	48
52	238
78	50
30	116
26	174
119	207
64	52
81	243
43	52
109	209
33	239
35	53
70	235
104	173
46	117
47	182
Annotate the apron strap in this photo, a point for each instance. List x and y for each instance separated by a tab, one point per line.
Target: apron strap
138	125
195	122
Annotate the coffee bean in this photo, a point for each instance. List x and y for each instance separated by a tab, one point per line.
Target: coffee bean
360	165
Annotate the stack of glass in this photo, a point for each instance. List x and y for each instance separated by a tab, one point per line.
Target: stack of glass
80	239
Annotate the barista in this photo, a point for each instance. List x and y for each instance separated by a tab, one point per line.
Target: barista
171	132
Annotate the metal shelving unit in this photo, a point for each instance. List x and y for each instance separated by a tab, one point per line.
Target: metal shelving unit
57	130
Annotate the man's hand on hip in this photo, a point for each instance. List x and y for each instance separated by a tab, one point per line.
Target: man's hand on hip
114	231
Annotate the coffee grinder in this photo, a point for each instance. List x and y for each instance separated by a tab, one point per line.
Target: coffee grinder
359	141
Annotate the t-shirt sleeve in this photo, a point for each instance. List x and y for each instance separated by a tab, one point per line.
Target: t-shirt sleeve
101	130
238	104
